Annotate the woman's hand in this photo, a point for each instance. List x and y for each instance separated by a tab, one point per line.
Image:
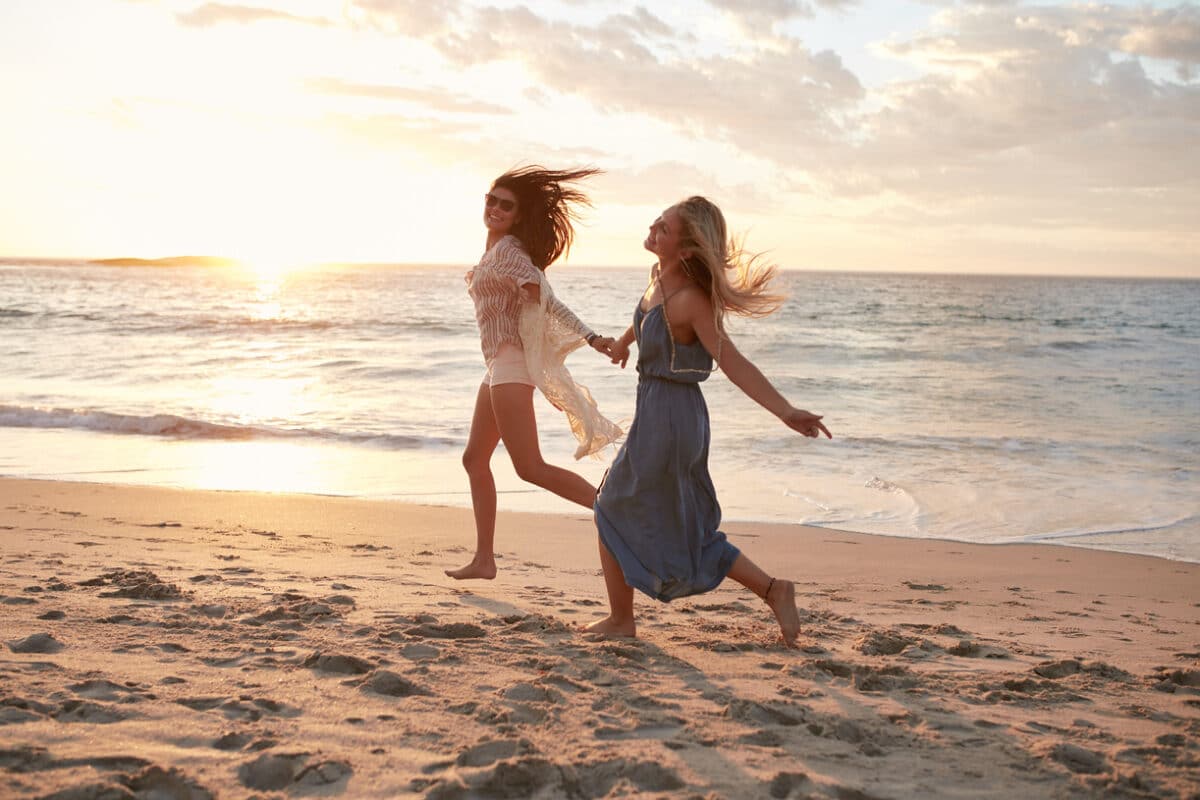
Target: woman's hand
619	353
602	344
805	422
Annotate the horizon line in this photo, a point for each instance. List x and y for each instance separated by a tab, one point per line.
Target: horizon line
224	262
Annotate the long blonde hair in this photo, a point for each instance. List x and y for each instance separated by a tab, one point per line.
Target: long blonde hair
716	256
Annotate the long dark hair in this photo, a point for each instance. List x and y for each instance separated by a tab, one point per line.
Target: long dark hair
545	208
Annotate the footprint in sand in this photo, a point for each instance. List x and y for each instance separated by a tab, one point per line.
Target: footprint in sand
244	707
1173	680
532	775
89	712
784	784
390	684
1075	758
16	710
489	752
36	643
532	693
273	772
924	587
758	714
645	726
765	738
967	648
139	584
418	651
338	664
449	630
146	780
101	689
883	643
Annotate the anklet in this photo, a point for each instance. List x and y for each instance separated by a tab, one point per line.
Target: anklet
767	593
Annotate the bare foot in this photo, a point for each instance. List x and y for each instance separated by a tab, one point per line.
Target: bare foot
608	627
782	600
478	568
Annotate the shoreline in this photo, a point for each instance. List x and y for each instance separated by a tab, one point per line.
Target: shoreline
224	643
509	486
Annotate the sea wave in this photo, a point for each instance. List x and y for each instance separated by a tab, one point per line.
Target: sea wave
178	427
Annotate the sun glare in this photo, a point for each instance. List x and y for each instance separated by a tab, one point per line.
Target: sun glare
253	401
266	270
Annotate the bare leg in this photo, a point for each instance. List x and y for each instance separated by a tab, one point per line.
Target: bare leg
512	408
481	443
781	597
620	621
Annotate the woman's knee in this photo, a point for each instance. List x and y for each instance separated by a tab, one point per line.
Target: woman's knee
474	462
530	470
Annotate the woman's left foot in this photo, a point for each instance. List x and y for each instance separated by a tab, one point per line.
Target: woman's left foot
608	627
781	597
476	569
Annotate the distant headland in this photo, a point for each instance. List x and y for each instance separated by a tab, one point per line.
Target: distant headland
171	261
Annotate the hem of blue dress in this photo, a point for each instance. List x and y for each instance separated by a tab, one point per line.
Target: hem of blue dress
646	582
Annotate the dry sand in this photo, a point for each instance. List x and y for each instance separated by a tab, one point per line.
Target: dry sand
183	644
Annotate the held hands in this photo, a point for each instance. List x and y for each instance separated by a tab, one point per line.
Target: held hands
805	422
602	344
619	353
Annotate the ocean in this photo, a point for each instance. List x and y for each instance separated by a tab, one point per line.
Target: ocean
974	408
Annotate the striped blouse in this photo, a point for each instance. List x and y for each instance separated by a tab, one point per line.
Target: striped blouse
495	288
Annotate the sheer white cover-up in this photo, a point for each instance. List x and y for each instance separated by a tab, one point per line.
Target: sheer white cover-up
548	335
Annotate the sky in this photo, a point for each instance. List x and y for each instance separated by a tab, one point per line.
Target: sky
931	136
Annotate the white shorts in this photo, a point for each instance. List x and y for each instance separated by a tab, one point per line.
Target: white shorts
508	366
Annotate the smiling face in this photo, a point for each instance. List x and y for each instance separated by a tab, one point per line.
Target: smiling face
664	238
500	210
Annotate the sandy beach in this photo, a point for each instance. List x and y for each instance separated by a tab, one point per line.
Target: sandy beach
185	644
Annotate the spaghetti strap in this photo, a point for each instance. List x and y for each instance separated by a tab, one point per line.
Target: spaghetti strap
663	305
665	296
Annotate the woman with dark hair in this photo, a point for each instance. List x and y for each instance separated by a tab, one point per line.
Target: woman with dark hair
526	333
657	512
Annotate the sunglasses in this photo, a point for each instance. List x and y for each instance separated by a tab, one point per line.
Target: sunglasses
505	205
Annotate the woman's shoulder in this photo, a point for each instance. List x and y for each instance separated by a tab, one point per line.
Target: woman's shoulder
689	297
508	247
511	253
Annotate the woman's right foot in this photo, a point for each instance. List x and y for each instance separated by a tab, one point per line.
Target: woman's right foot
485	570
782	600
608	627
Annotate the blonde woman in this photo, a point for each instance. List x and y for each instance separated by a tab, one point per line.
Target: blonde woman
525	333
657	511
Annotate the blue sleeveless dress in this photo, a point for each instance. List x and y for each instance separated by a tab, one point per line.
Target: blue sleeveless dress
657	510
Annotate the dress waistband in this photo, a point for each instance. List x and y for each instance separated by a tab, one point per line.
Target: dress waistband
644	376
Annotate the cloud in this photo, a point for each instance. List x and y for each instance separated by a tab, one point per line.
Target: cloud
440	100
769	12
211	14
416	18
1036	116
1031	116
766	100
1165	33
764	10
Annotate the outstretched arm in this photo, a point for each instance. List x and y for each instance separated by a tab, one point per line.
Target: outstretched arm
694	309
